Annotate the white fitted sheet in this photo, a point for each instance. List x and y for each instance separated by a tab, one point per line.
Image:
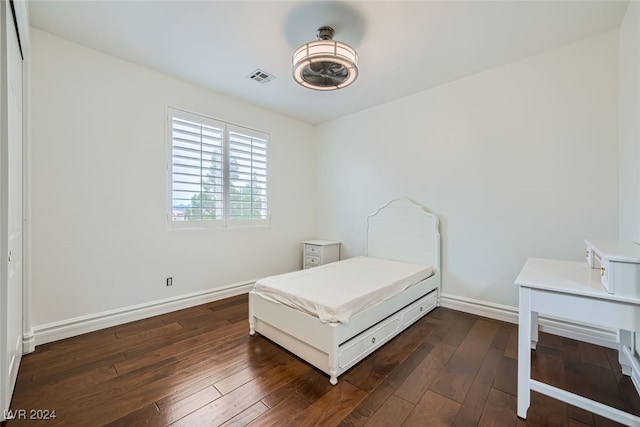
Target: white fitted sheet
334	292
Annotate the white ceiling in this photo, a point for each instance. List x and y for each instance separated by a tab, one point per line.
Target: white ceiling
404	47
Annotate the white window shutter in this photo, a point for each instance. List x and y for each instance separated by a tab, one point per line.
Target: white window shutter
218	173
248	184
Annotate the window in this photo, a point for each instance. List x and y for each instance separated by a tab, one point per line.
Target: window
218	172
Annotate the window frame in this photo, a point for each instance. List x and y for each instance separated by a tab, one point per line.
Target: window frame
226	221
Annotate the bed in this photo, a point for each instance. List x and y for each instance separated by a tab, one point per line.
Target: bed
401	235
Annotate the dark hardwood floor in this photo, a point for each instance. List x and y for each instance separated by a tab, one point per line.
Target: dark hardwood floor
200	367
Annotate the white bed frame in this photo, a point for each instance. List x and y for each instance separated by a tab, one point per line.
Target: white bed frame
401	230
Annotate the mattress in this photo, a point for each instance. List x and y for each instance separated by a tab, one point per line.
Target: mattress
334	292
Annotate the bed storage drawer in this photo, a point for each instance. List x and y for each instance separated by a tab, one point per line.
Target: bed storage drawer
354	349
419	308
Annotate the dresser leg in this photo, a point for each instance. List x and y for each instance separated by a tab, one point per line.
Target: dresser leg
525	321
534	329
627	339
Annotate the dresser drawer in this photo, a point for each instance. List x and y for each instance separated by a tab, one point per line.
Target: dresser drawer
354	349
619	265
620	278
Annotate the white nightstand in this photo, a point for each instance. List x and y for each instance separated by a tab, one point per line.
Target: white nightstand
318	252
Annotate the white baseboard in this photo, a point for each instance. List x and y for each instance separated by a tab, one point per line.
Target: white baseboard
49	332
28	342
589	333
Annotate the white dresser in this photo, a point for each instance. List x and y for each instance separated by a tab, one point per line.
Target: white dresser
319	252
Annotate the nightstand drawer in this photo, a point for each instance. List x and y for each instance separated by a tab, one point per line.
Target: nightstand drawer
311	261
313	249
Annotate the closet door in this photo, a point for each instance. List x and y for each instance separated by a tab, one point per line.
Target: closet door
11	190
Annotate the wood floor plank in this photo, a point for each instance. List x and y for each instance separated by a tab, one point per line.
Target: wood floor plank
579	415
457	376
114	398
423	376
474	404
625	385
164	370
511	350
599	384
506	378
228	314
255	368
432	410
143	416
53	351
376	398
314	387
284	412
202	309
502	336
209	344
137	326
604	422
546	411
87	346
139	333
246	416
330	408
458	331
236	401
499	410
162	341
594	355
65	388
172	409
574	423
64	372
547	366
391	414
91	357
554	341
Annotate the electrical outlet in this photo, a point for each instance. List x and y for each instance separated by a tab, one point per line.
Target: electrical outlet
169	281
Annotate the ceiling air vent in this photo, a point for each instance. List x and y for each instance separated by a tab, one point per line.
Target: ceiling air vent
261	76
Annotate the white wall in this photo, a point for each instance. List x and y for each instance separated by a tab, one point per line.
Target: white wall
518	161
99	236
629	123
629	127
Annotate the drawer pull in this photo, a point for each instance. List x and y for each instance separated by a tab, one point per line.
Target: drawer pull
420	309
373	340
587	254
602	271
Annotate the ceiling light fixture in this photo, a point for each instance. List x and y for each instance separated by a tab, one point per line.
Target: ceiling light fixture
325	64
